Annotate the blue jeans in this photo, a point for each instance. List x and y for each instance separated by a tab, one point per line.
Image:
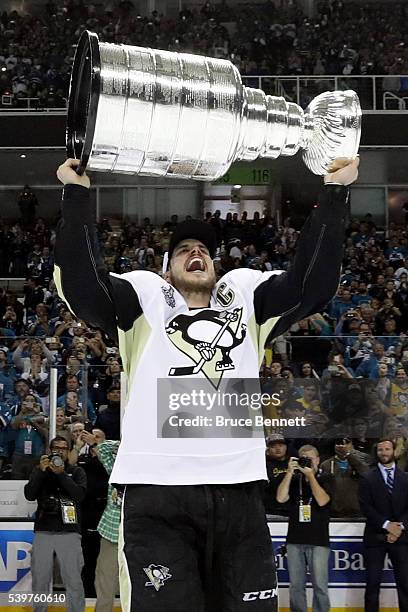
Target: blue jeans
315	558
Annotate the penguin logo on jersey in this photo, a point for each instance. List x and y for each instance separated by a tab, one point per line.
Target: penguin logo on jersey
157	575
207	338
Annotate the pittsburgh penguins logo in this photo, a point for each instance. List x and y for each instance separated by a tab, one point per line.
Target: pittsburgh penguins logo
207	338
157	575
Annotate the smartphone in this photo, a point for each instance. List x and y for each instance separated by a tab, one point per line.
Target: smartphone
88	426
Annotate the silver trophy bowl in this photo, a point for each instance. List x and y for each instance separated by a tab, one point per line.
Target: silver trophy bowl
136	110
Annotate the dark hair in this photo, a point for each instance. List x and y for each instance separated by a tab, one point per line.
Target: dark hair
194	229
394	446
72	376
58	439
113	388
19	380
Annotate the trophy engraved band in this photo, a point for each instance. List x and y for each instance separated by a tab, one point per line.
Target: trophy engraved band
136	110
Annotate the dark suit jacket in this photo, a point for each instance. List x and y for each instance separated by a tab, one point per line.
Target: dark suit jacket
378	506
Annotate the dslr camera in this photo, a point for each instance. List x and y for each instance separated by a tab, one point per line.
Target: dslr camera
56	460
50	505
305	462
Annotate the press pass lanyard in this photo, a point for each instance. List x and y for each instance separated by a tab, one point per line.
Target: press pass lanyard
305	510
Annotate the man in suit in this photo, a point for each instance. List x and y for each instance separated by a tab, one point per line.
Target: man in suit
384	503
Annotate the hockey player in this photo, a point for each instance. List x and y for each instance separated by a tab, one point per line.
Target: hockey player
195	537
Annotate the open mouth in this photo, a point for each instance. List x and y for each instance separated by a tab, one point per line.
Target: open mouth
196	264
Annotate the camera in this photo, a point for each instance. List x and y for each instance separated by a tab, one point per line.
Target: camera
50	505
305	462
56	460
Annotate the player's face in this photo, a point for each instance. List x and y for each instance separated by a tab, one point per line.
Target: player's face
191	267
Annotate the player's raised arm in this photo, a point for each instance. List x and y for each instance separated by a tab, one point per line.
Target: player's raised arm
313	278
80	275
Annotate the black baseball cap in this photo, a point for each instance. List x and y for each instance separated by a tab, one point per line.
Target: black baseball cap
196	230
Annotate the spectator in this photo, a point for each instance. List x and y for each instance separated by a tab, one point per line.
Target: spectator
5	420
72	384
7	376
10	321
398	403
276	466
35	347
107	567
336	368
27	202
34	294
39	324
109	419
384	503
310	400
59	489
346	467
73	408
93	505
31	438
369	365
21	389
307	370
62	429
77	447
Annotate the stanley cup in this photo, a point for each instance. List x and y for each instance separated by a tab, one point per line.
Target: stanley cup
142	111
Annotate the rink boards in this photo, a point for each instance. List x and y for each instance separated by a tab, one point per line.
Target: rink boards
346	568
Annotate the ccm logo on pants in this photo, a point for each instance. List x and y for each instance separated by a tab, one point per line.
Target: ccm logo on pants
253	595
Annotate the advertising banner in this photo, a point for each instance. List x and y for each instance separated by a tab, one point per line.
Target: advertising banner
346	567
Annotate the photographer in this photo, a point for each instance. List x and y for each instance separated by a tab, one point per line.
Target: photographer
307	491
59	489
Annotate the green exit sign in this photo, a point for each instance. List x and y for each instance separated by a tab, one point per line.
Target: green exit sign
246	175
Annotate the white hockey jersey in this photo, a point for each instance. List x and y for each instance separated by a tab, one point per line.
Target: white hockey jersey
165	341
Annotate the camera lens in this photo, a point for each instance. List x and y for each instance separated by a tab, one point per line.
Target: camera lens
305	462
56	461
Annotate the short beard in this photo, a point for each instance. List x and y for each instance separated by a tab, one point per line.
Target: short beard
187	285
390	460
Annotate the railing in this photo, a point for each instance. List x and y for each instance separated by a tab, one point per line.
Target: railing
376	92
9	103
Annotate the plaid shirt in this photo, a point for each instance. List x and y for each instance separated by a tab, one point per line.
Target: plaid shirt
109	524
